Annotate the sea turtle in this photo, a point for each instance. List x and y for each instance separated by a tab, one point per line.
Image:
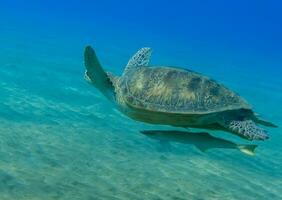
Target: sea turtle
174	96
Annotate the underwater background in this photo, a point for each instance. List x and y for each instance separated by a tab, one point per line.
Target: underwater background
61	139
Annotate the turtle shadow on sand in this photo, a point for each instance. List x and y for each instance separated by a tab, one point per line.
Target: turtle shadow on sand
201	140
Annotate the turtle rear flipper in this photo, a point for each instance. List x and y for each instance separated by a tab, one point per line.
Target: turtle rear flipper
246	129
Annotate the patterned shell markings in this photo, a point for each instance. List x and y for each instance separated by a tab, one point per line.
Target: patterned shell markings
173	90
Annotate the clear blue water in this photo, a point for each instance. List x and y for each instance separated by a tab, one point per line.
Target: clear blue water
61	139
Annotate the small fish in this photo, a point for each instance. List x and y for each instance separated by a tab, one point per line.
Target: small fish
203	141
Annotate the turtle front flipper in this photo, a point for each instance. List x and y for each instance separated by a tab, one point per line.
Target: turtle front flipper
96	75
140	59
246	129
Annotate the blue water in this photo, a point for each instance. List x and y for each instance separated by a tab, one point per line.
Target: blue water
61	139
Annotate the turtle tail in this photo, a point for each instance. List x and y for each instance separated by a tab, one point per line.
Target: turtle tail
96	75
264	122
